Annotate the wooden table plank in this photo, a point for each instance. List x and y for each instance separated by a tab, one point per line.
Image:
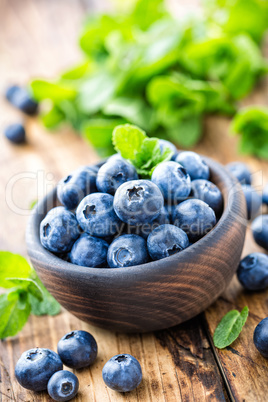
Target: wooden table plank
178	364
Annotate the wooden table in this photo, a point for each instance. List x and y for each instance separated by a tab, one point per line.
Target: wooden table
38	38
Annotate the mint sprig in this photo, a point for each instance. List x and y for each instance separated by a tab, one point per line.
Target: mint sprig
143	152
229	328
26	294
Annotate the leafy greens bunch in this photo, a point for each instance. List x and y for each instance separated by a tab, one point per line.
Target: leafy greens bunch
25	294
147	68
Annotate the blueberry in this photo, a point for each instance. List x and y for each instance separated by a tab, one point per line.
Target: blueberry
21	99
122	373
260	231
166	240
145	229
194	217
15	133
59	230
265	195
74	187
208	192
138	201
240	171
63	386
253	271
195	166
260	337
89	251
126	251
96	215
253	201
173	181
114	173
35	367
77	349
167	144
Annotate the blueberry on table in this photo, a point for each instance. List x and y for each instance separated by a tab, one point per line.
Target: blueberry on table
260	337
173	181
126	251
165	241
138	201
15	133
78	349
253	200
208	192
265	195
122	373
253	271
74	187
195	166
35	367
259	229
96	215
114	173
194	217
59	230
167	144
240	171
63	386
89	251
21	99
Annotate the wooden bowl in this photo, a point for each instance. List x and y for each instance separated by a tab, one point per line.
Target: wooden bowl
155	295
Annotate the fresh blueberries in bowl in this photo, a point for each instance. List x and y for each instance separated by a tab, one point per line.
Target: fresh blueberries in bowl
208	192
63	386
89	251
260	337
77	349
138	201
74	187
59	230
253	271
195	218
259	229
240	171
122	373
15	133
253	200
35	367
114	173
265	195
173	180
126	251
96	215
166	240
195	166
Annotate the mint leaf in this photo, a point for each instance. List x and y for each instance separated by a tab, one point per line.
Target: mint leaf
143	152
12	267
14	312
46	306
99	131
229	328
53	117
57	92
28	285
127	140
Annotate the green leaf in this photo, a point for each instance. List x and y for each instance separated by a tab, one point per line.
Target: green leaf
147	11
14	312
28	285
13	266
96	91
127	140
53	117
229	328
56	92
187	132
99	131
47	306
79	71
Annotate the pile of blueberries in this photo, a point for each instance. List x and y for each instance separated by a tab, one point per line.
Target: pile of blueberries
253	269
41	369
112	218
19	98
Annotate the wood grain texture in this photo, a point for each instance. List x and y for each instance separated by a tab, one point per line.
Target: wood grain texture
152	296
178	364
